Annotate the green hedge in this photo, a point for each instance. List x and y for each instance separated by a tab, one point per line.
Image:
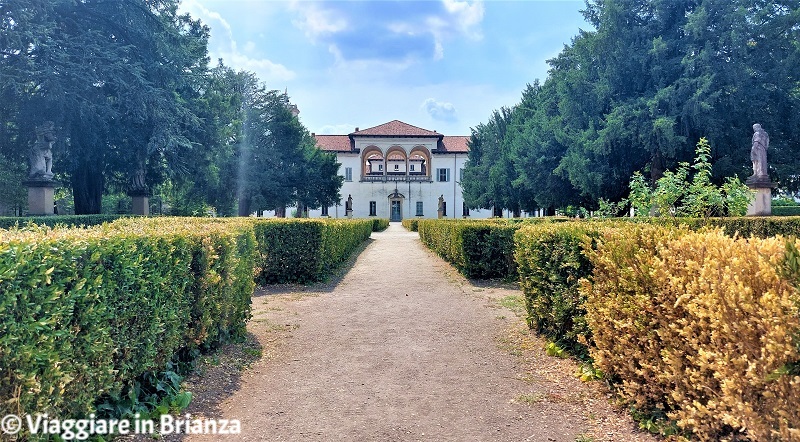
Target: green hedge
551	261
7	222
86	311
786	210
758	226
305	250
379	224
480	249
411	224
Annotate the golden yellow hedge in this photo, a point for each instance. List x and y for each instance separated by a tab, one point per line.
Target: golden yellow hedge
700	325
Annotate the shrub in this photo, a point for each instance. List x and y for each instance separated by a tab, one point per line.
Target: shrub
700	326
86	311
478	249
411	224
786	210
551	261
379	224
303	250
7	222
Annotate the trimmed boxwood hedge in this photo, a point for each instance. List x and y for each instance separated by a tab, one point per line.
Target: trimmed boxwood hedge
305	250
480	249
86	312
379	224
411	224
7	222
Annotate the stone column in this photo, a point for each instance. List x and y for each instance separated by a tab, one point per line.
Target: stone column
40	196
761	205
141	202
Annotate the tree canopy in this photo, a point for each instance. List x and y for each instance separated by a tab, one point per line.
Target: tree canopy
136	107
639	91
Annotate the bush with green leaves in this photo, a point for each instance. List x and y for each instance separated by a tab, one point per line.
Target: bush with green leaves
551	260
7	222
675	195
85	312
305	250
480	249
379	224
411	224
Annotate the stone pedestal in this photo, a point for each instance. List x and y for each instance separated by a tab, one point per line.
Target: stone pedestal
348	213
141	202
761	205
439	214
40	197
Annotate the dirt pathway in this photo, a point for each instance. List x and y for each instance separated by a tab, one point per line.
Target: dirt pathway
402	348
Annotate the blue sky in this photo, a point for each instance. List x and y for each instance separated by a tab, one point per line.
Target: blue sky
441	65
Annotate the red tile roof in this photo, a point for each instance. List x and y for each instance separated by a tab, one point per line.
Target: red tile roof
453	144
396	128
334	143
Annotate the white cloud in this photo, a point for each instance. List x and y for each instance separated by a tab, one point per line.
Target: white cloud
438	110
467	16
316	22
394	30
223	45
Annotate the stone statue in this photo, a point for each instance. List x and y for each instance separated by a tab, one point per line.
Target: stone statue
441	202
758	152
41	155
348	205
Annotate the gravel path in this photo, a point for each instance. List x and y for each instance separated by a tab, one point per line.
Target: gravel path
402	348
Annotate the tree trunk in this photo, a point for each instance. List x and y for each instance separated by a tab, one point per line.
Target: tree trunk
87	189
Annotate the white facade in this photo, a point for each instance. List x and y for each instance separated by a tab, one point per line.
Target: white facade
395	191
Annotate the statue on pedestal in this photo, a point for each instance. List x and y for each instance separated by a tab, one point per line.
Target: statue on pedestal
758	153
41	154
441	203
348	205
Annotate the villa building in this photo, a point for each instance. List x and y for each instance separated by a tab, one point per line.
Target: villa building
398	171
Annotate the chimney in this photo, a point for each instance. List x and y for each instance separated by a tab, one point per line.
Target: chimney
313	134
356	129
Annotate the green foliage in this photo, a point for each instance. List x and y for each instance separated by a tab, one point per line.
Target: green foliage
636	92
675	195
379	224
551	261
278	161
478	249
786	211
7	222
411	224
89	311
304	250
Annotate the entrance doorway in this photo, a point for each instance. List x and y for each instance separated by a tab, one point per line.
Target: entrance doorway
396	206
397	211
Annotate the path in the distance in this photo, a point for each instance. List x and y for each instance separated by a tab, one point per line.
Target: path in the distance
398	350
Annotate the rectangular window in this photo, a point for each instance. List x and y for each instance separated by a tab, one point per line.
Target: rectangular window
465	209
324	210
444	208
348	174
412	167
419	208
373	208
380	167
460	175
443	175
396	167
